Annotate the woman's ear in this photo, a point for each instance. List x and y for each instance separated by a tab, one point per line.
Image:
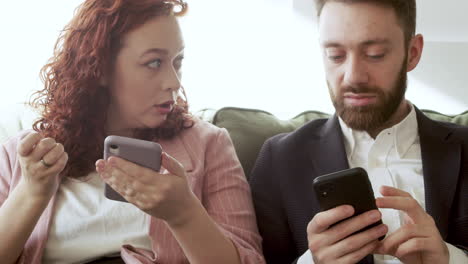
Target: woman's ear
415	49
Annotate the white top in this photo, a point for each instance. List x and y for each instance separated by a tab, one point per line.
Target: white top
393	158
86	225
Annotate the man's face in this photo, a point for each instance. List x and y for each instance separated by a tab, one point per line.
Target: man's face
365	62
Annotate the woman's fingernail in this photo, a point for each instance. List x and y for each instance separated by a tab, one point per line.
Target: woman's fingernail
112	162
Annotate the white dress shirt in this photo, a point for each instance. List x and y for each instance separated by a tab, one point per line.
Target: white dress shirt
393	158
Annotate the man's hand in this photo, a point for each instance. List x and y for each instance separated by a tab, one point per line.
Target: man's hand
335	244
418	240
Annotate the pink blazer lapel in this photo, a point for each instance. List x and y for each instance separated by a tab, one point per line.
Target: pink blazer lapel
177	149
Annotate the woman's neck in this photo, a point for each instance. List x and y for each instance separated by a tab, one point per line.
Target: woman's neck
115	125
121	132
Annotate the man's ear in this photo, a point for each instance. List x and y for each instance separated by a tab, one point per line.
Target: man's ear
415	49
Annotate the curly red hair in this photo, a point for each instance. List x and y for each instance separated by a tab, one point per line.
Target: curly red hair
73	104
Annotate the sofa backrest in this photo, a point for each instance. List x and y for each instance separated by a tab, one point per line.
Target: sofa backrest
14	119
249	128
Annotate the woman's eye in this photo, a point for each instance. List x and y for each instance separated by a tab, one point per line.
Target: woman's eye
155	64
178	64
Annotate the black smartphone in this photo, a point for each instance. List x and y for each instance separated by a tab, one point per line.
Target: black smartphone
352	187
141	152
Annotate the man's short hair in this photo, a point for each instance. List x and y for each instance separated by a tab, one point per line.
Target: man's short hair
404	9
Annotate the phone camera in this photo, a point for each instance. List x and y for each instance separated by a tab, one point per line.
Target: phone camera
325	189
114	149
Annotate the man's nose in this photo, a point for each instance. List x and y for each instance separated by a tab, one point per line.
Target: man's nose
356	72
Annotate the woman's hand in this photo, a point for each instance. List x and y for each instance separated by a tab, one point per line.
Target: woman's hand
42	160
162	195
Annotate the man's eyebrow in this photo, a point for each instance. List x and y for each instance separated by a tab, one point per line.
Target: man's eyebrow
370	42
331	44
378	41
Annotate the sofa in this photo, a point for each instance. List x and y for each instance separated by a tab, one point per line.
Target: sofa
248	128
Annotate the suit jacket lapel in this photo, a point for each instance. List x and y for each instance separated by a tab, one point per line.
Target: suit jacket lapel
441	156
326	149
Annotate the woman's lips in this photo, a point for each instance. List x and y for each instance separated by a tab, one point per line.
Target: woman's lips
164	108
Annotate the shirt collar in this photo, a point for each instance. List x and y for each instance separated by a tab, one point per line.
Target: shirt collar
404	134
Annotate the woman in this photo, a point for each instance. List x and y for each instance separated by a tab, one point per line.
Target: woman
116	71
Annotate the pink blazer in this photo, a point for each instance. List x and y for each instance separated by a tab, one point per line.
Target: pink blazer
215	176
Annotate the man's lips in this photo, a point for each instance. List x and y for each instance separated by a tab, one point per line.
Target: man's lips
359	99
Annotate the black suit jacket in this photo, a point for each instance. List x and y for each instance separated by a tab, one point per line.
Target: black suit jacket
285	202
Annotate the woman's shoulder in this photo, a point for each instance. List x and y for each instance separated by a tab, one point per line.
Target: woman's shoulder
9	166
11	143
203	129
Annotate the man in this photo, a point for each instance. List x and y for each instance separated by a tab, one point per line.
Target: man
417	166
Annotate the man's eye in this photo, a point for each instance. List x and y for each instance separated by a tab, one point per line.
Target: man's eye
376	57
336	58
154	64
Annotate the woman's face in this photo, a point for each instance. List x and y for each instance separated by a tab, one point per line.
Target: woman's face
145	78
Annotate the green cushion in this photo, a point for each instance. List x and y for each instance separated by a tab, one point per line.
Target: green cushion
249	128
461	119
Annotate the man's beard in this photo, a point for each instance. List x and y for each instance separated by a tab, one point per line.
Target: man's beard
372	116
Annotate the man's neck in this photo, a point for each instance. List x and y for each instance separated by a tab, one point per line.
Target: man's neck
402	111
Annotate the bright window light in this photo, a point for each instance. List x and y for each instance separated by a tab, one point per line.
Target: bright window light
246	53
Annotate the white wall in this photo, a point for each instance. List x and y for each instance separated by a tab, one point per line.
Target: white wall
440	82
247	53
27	39
255	54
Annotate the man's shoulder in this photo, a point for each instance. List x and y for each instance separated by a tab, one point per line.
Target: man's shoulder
454	131
460	132
311	129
